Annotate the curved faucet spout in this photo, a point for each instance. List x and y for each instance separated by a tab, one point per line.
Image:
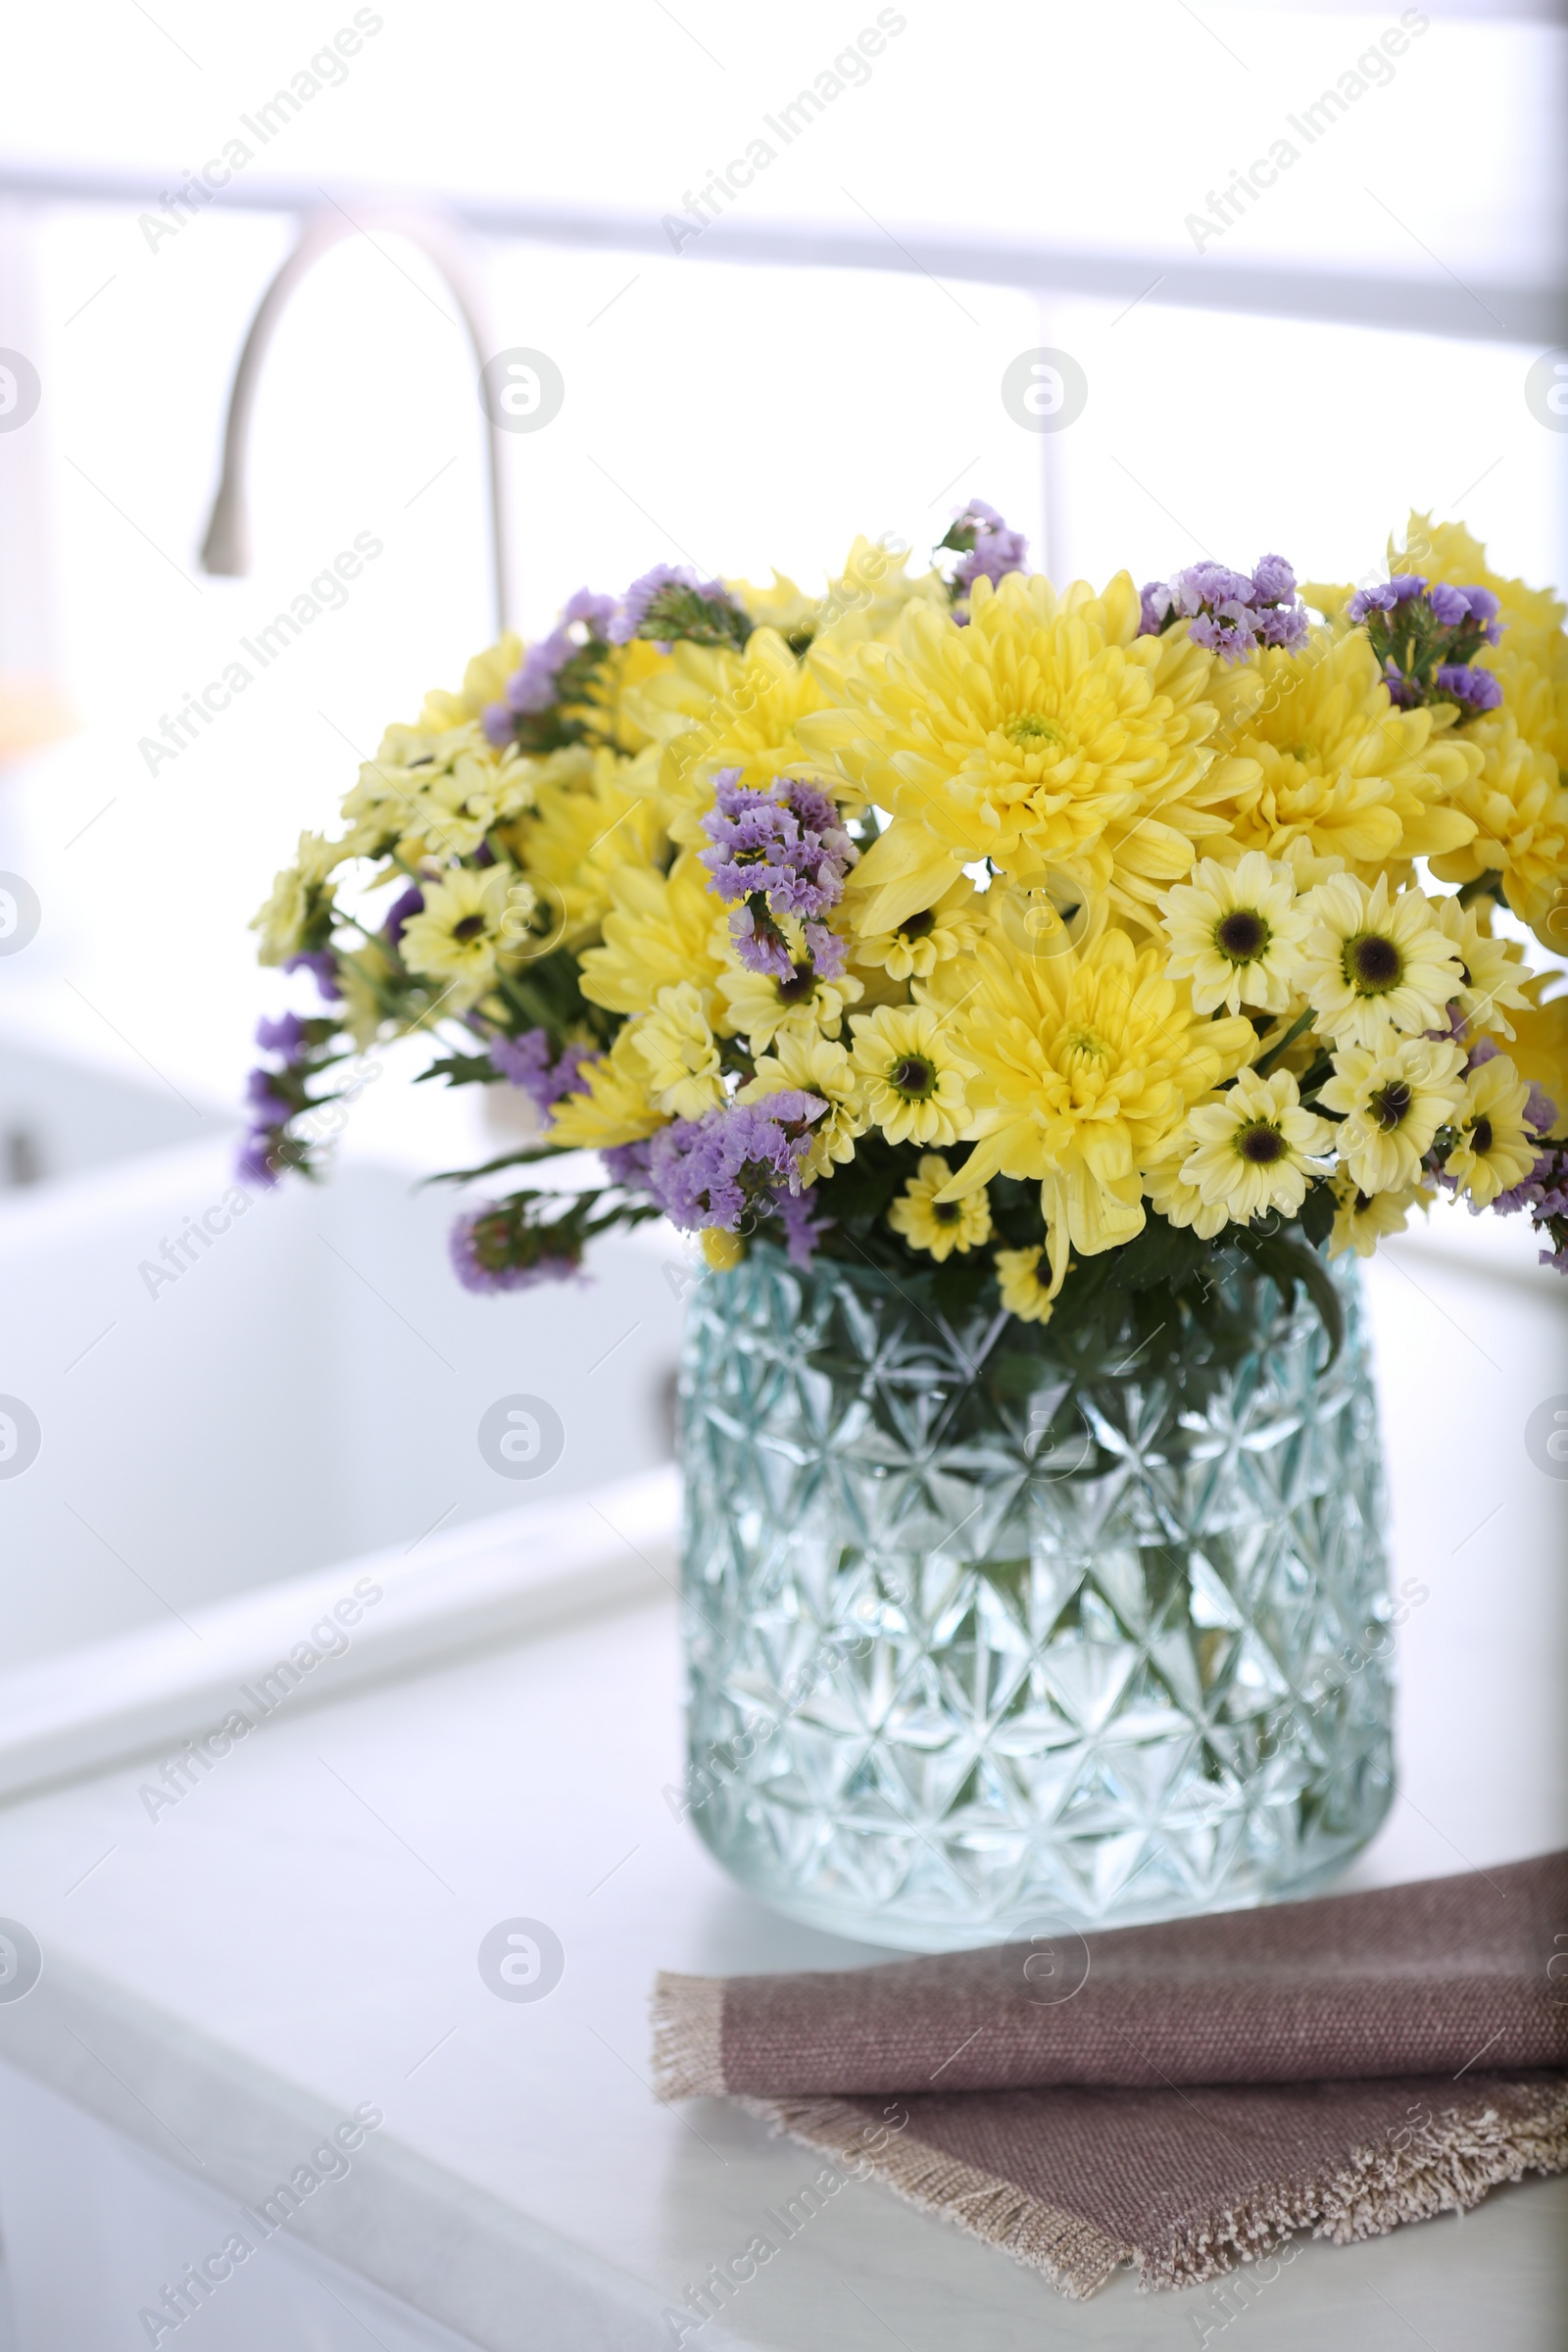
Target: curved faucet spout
226	550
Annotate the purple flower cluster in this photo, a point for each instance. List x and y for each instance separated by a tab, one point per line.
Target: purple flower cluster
491	1252
273	1097
324	964
989	549
733	1160
535	688
779	850
1231	612
670	602
528	1061
1426	637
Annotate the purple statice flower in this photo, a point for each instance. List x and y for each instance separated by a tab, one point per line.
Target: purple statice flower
626	1164
283	1036
535	686
993	550
1230	613
713	1170
256	1162
1541	1111
829	951
759	942
1403	693
528	1061
323	963
1454	606
802	1229
1386	596
783	846
268	1106
404	908
474	1244
1485	1049
673	593
1473	689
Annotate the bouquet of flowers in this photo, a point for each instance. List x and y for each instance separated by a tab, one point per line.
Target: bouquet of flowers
981	931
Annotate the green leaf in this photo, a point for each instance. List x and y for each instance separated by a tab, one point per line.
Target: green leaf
1288	1263
462	1070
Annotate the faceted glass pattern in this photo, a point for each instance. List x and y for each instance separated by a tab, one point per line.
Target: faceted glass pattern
955	1676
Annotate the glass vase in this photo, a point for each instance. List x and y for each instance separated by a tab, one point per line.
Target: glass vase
991	1632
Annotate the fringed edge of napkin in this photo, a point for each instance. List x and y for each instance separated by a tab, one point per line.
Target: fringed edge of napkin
688	2037
1449	2166
1075	2256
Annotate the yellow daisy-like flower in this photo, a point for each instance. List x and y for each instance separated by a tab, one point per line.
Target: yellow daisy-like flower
1362	1219
1490	971
1236	932
1368	961
1047	732
1256	1149
939	1226
761	1009
300	893
678	1050
435	790
1395	1100
926	938
660	930
468	922
1333	763
1023	1294
1087	1062
816	1065
616	1106
1179	1202
1495	1151
911	1075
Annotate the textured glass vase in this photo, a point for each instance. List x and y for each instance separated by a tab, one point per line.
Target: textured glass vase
991	1631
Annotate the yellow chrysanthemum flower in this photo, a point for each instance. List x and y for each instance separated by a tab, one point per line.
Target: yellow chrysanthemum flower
1047	732
1363	1219
934	1225
469	924
593	814
678	1050
722	1250
1369	961
1023	1294
1538	1052
1494	1152
1256	1149
911	1075
614	1108
814	1064
710	709
1520	812
660	930
1235	933
1086	1065
1333	763
435	790
1394	1102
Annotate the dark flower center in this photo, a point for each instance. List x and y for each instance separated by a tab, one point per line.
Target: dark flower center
469	928
1372	963
946	1212
1391	1104
1241	935
913	1075
1481	1137
1261	1143
798	986
920	926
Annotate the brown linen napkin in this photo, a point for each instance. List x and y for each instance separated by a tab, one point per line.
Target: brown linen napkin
1180	2097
